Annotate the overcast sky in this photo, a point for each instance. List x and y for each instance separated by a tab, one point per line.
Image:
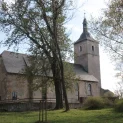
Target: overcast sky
90	7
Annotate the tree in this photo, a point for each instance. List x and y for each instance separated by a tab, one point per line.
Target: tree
119	85
39	76
38	23
108	28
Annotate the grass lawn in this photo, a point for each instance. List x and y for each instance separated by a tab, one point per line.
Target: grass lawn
73	116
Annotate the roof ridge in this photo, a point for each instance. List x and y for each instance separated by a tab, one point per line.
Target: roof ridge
14	52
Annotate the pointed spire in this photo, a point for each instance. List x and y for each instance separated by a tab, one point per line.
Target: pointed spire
84	13
85	28
85	35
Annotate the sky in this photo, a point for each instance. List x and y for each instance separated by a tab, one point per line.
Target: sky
89	7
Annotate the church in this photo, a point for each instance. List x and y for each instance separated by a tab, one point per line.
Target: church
86	65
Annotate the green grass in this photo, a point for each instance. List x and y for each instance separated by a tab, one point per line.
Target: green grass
72	116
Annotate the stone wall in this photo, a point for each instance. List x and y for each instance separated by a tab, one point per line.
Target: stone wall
32	106
24	106
3	77
18	84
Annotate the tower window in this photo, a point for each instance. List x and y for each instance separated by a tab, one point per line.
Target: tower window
92	48
80	48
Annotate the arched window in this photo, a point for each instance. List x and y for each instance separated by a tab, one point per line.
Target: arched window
80	48
89	89
92	48
14	95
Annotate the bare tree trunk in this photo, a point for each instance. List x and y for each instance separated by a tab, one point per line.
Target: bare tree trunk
64	89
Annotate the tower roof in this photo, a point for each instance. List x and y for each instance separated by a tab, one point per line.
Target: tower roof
85	35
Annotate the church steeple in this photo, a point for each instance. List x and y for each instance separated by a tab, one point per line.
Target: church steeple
86	51
85	34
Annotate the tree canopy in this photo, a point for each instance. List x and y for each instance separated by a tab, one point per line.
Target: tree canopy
40	24
108	28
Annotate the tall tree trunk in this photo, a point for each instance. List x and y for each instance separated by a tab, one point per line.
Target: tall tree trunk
58	92
57	54
57	84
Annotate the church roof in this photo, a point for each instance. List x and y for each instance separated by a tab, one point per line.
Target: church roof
16	63
82	74
85	34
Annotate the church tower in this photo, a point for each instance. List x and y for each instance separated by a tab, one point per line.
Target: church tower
87	53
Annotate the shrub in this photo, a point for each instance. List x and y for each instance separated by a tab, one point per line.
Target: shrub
107	102
119	105
108	94
92	103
